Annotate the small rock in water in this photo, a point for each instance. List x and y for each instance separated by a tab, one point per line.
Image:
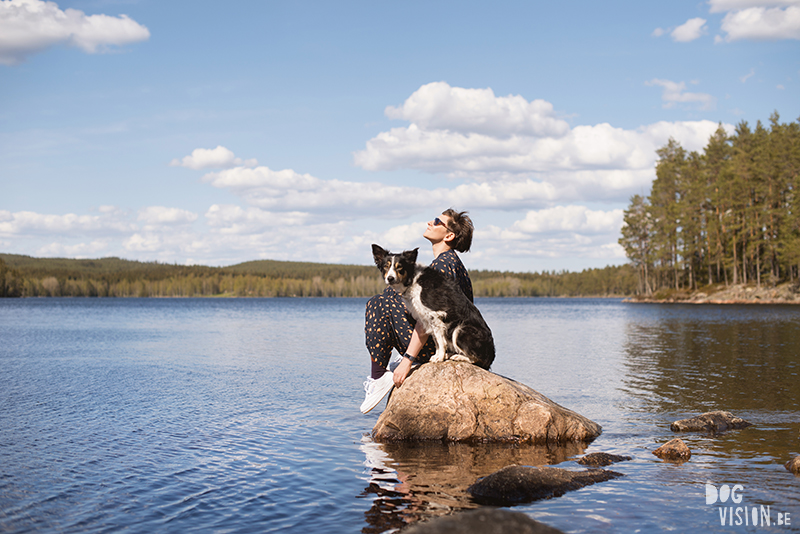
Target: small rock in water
517	484
793	465
482	521
717	421
599	459
674	449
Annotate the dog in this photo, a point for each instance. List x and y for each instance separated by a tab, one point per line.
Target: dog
457	327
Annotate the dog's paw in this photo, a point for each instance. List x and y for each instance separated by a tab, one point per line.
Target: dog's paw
461	358
437	358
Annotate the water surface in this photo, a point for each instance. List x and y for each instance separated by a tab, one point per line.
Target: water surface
241	415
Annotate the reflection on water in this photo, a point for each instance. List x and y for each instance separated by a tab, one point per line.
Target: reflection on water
413	481
737	362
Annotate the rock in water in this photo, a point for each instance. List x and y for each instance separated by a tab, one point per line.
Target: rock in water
717	421
600	459
517	484
674	449
458	401
793	465
482	521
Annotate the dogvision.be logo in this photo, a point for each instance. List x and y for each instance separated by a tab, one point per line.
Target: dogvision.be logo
733	513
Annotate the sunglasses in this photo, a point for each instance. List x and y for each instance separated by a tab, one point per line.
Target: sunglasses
438	222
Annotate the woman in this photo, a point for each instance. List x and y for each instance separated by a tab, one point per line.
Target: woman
388	325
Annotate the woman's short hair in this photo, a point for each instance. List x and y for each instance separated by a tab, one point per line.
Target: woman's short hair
461	226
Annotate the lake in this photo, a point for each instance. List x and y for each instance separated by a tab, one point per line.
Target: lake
242	415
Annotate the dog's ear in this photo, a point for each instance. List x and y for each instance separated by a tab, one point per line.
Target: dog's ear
379	255
411	255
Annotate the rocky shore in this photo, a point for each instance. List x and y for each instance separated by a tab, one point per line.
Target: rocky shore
786	293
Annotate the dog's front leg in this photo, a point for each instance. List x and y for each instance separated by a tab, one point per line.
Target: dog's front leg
441	342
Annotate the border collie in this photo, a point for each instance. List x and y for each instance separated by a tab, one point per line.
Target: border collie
457	326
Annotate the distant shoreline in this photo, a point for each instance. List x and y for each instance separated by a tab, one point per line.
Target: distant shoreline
786	293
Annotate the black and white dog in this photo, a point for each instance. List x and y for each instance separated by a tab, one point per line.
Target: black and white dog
447	314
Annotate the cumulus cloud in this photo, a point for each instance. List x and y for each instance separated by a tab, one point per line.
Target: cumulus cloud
31	26
599	155
572	218
675	93
160	215
438	106
718	6
211	158
232	219
23	223
762	24
689	31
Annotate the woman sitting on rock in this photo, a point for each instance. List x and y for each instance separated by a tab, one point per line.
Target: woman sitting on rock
388	325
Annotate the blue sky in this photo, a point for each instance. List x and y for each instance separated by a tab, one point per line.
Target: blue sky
209	133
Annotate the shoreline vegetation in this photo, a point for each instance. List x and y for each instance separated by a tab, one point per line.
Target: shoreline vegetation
26	276
722	225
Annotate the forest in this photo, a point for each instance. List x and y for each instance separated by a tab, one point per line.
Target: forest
25	276
730	215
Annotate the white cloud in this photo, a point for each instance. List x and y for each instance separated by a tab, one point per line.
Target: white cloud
539	248
747	76
23	223
157	215
718	6
762	24
232	219
572	218
658	32
438	106
675	93
31	26
211	158
689	31
610	160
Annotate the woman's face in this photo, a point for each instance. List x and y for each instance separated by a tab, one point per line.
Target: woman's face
437	232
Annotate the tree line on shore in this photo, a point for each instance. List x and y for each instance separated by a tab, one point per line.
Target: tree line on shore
728	215
24	276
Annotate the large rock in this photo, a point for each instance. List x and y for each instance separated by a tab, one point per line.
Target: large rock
458	401
717	421
483	521
518	484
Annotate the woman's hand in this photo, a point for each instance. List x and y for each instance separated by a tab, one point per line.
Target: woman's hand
401	372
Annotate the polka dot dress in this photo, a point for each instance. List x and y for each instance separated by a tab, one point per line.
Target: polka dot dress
388	325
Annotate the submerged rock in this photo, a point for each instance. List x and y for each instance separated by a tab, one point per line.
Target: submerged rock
599	459
459	401
793	465
517	484
717	421
482	521
674	449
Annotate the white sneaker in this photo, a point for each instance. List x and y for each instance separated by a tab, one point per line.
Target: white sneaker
376	390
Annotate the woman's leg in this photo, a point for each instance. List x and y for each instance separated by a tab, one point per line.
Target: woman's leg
389	326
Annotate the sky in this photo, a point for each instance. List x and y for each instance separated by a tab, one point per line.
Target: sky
196	132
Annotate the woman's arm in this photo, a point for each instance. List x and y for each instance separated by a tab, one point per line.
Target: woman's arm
418	339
